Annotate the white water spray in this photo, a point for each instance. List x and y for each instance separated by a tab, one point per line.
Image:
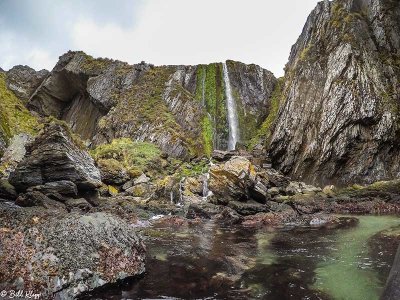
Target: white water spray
232	113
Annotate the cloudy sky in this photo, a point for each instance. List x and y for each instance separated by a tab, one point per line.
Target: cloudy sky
37	32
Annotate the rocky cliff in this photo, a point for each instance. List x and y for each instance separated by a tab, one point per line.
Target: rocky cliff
339	115
179	108
14	117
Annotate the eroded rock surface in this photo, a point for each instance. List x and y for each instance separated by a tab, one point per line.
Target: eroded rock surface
23	81
62	256
339	117
54	156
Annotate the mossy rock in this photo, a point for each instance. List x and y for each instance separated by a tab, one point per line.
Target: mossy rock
14	117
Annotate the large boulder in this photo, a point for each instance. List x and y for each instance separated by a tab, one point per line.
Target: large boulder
62	256
229	181
55	156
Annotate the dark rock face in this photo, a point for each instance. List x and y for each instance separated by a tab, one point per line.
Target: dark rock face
392	288
339	118
23	81
53	157
7	191
63	256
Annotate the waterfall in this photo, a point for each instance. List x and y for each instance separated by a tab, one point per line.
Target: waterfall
232	113
206	192
206	177
181	190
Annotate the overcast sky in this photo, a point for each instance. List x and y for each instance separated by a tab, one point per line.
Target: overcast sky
37	32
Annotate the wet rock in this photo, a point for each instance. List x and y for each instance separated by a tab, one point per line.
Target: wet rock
193	186
269	219
229	216
7	191
259	192
392	287
66	255
36	198
222	156
248	208
54	156
203	210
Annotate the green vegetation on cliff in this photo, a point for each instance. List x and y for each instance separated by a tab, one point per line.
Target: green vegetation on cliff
134	156
214	124
14	117
264	132
143	106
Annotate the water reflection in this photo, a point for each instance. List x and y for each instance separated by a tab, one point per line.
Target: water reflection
206	261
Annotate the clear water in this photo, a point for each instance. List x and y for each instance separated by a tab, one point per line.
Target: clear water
206	261
232	112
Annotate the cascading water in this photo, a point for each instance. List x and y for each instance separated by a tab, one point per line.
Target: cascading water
232	113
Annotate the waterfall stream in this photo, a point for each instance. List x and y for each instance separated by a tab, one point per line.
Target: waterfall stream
232	112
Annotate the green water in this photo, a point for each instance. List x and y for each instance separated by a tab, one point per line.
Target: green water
347	273
207	261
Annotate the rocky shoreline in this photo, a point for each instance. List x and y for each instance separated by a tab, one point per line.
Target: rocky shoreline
55	207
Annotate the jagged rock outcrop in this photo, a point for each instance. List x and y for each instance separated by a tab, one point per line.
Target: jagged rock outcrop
23	81
54	156
64	255
339	117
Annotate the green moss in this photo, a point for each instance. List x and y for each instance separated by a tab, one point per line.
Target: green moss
306	52
144	104
264	132
200	82
207	131
76	139
94	65
192	169
341	17
14	117
132	155
215	102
